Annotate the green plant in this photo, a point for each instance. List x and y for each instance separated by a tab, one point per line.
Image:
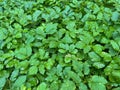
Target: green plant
59	44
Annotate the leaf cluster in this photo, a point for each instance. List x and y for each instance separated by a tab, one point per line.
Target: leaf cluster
59	45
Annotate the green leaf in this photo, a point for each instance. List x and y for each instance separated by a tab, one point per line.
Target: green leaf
49	64
30	39
68	85
114	45
54	85
71	47
59	70
42	86
97	82
42	69
100	16
53	44
41	53
23	52
36	15
115	16
86	68
104	40
64	46
33	70
86	49
60	33
98	79
98	48
97	86
77	66
33	62
115	76
71	75
80	45
18	35
107	56
20	81
41	1
40	30
99	65
2	82
94	56
59	44
62	50
83	86
67	39
51	28
68	58
23	64
86	16
33	81
3	33
14	75
45	16
70	25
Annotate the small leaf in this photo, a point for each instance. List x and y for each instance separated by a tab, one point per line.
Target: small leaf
62	50
115	16
14	75
83	86
97	48
20	81
72	75
67	39
114	45
49	64
59	70
18	35
33	70
86	68
53	44
68	58
68	85
3	33
36	15
2	82
100	16
23	64
80	45
64	46
98	79
42	86
104	40
98	65
54	86
115	75
70	25
97	86
86	49
42	69
107	57
51	28
41	53
23	52
94	56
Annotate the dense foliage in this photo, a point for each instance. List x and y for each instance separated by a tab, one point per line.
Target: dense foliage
59	44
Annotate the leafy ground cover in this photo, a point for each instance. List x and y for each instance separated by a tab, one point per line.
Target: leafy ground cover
59	44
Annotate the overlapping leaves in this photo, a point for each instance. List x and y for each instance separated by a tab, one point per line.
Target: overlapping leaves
59	44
